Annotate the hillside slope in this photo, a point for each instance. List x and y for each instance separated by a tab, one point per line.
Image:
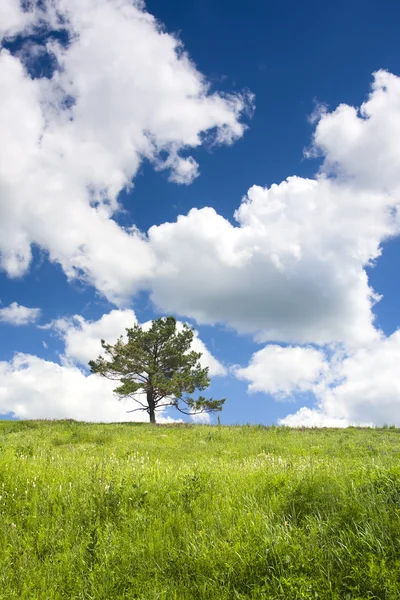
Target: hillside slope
196	512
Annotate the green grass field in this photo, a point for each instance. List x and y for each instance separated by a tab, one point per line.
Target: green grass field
196	512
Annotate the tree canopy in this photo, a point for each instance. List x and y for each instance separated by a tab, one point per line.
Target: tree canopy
157	368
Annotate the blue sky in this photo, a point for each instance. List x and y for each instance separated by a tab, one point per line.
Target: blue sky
127	145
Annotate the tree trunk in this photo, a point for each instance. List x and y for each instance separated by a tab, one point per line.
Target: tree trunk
151	403
152	414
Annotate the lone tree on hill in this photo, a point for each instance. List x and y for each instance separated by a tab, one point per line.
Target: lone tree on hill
156	368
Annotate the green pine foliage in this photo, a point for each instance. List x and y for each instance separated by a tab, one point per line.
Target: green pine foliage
134	511
157	368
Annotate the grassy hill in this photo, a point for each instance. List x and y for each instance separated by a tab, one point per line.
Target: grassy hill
194	512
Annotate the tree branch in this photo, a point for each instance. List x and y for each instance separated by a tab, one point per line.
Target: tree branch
197	412
132	396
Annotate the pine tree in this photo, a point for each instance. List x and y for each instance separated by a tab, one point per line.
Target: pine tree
157	368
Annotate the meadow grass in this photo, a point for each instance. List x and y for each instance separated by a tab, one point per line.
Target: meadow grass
135	511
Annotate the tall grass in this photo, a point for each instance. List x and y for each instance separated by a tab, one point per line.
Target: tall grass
189	513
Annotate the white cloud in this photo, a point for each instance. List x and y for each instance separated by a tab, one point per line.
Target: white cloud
82	338
362	145
363	388
33	388
307	417
215	368
70	144
201	418
15	314
283	372
13	18
293	269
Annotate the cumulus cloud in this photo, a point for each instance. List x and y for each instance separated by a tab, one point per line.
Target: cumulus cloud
70	143
33	388
348	211
362	145
292	271
362	388
308	417
283	372
201	419
293	268
82	337
16	314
